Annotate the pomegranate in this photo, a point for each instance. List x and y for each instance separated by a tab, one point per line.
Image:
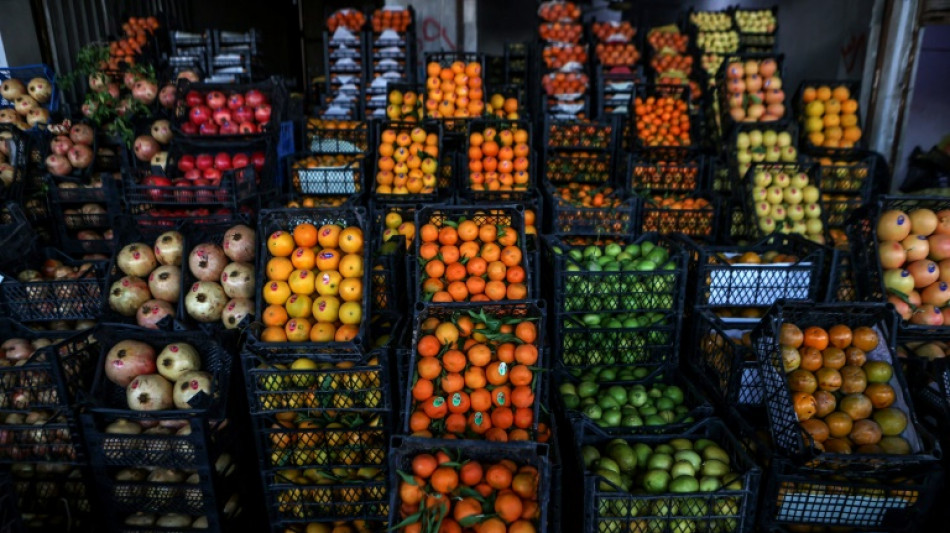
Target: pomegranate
60	145
145	147
207	261
167	96
16	350
162	131
235	311
58	165
205	301
145	91
237	280
176	359
80	156
169	247
173	520
152	312
190	384
165	283
124	426
82	134
149	392
136	259
239	243
128	294
127	360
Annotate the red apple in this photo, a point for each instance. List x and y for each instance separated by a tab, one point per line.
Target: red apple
216	99
228	128
204	161
189	128
193	98
235	101
262	113
258	158
183	191
255	98
222	161
208	128
211	173
156	195
186	163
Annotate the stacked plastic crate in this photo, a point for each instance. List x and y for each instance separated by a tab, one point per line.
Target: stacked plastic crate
235	56
190	51
344	50
564	77
392	41
617	65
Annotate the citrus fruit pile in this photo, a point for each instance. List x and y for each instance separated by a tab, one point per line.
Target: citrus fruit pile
404	106
454	91
662	120
351	19
468	495
395	225
498	159
502	107
464	261
474	377
831	116
392	18
754	91
314	287
844	400
408	160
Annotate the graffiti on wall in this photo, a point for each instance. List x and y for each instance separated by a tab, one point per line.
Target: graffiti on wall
852	52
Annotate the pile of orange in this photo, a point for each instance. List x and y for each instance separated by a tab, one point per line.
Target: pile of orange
454	91
314	288
474	378
498	159
502	107
351	19
463	261
662	121
830	116
391	18
404	106
127	48
408	161
487	498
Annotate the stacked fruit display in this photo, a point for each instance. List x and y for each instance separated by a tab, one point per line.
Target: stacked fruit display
213	112
151	285
391	58
662	118
844	391
751	90
564	78
314	284
199	178
408	161
222	277
405	106
757	29
786	200
52	286
692	215
454	91
345	52
829	116
474	375
665	175
73	153
765	145
499	157
476	259
461	493
914	256
26	104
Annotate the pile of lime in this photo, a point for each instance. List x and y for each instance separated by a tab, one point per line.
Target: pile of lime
628	406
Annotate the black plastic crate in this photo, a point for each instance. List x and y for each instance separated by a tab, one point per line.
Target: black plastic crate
9	515
456	126
65	298
151	219
523	181
862	238
696	221
329	137
493	315
309	173
130	235
746	191
511	217
698	408
52	497
721	361
430	128
273	88
726	120
676	92
404	449
565	217
15	153
659	174
615	92
201	432
69	197
787	435
389	276
16	231
45	387
597	136
853	174
563	168
607	506
854	88
236	187
720	282
655	340
379	210
271	220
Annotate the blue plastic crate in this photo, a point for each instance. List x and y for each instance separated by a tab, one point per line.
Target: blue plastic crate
27	73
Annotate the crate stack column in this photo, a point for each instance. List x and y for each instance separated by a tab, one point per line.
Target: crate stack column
344	50
563	79
391	40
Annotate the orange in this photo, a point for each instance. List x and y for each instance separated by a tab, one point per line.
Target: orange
351	266
468	230
519	375
522	396
526	354
297	330
279	268
522	526
487	233
328	259
274	334
527	332
498	477
823	93
496	373
444	479
305	235
480	399
423	465
329	236
468	250
471	473
459	402
476	266
351	290
346	332
280	244
449	253
841	93
429	368
496	290
502	418
428	346
323	332
410	493
479	422
435	407
422	390
505	352
808	94
479	355
508	506
452	382
511	256
301	282
418	421
274	315
455	423
276	292
507	236
351	240
524	416
448	235
303	258
816	337
525	485
467	506
298	306
496	271
492	525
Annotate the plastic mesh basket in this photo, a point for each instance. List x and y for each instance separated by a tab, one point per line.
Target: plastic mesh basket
26	74
78	298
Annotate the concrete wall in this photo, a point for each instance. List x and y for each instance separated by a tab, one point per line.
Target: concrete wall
18	32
